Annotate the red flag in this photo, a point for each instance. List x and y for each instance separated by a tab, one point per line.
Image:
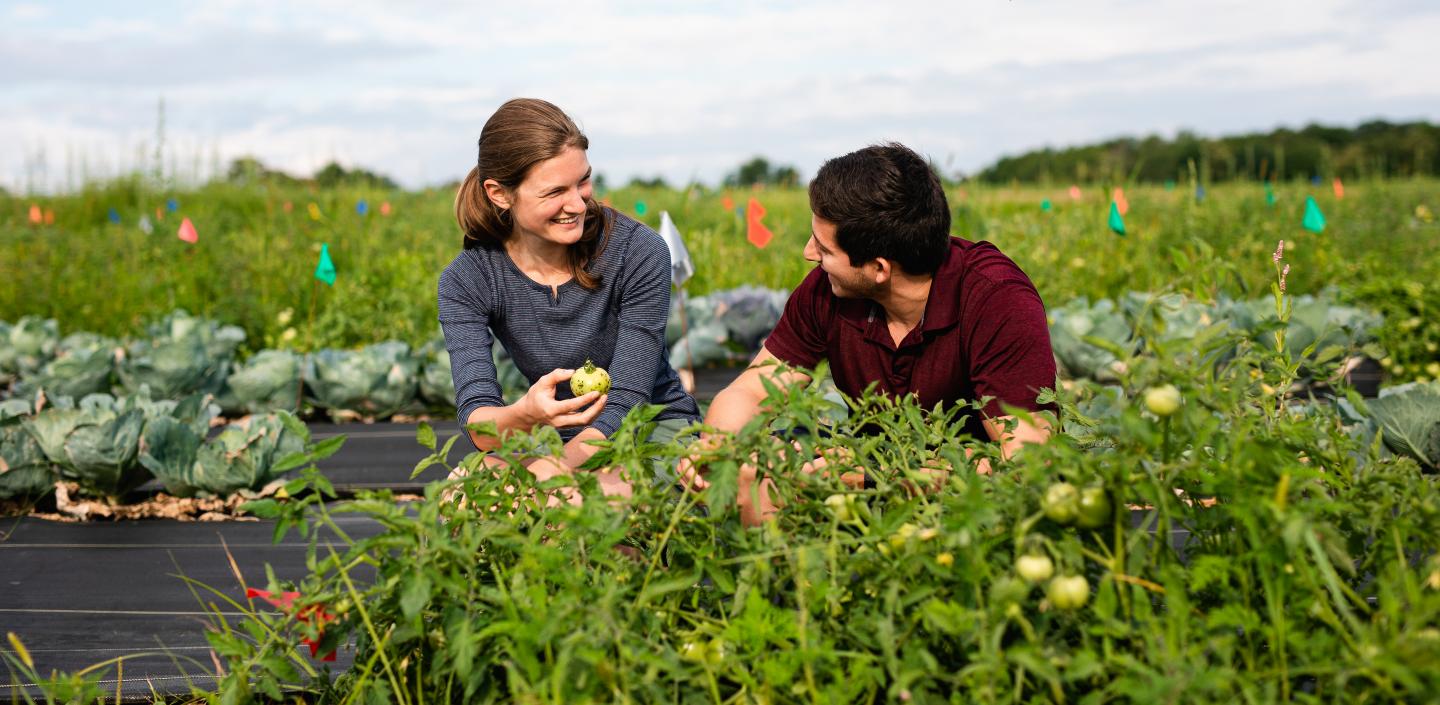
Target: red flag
187	232
1339	188
1119	198
755	231
35	215
285	602
727	202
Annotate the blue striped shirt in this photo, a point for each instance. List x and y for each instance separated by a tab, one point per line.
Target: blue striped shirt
619	325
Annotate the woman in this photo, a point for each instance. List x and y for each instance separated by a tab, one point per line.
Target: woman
559	280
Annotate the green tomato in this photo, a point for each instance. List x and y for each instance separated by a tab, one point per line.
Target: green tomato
1093	509
694	652
1034	568
589	379
839	505
1068	592
1162	401
1061	503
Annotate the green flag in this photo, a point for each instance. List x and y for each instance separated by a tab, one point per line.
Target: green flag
1117	223
1045	205
1314	220
325	270
1269	194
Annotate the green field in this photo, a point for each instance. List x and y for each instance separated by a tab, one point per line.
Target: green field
1239	527
254	258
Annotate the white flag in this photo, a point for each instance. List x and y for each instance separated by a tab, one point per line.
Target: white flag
681	268
145	225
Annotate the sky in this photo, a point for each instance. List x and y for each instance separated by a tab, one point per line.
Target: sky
682	90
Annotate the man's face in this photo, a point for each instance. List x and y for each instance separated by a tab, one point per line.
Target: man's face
846	280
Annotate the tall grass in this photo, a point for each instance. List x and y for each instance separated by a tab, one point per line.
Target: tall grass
255	258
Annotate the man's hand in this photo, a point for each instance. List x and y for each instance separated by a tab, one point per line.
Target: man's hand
691	468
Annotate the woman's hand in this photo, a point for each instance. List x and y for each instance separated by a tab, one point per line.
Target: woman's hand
540	406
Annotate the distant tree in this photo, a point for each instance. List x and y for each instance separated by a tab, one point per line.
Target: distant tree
1375	148
333	175
249	170
759	171
657	182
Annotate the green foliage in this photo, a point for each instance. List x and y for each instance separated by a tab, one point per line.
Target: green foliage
1372	149
254	264
1249	549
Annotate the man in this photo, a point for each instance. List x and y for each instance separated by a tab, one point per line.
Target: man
898	302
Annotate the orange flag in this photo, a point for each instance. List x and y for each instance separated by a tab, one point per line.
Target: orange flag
187	232
1339	188
755	231
35	215
1119	198
385	208
49	216
727	202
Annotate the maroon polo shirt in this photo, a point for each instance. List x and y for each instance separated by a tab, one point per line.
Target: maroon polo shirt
984	334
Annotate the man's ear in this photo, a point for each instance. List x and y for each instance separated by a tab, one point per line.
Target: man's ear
880	269
497	194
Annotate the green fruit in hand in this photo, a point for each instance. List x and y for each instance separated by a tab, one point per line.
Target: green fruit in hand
1035	568
589	379
1068	592
1093	509
1162	401
1062	503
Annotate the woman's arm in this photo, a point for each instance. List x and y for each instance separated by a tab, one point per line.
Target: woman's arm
644	309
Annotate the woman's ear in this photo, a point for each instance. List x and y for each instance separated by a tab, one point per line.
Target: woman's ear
497	194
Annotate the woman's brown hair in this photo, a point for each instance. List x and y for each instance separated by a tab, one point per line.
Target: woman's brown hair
521	134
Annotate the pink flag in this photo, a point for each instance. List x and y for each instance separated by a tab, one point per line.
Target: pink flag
1119	198
1074	193
1339	188
385	208
187	232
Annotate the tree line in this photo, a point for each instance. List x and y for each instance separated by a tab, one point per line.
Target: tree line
1372	149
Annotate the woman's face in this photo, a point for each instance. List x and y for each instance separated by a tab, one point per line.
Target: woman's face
550	203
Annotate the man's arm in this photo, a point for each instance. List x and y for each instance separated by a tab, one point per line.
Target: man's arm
1020	433
740	401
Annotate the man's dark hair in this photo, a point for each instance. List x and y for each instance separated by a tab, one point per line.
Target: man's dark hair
885	201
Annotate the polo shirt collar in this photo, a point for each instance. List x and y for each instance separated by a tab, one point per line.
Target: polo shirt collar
942	306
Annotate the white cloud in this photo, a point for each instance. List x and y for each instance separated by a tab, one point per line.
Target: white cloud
685	89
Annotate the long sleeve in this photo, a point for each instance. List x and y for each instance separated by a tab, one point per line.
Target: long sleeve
640	342
465	320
